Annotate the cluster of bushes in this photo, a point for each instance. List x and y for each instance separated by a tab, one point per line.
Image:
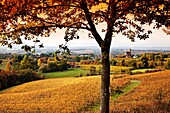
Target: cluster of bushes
88	62
24	62
53	66
147	71
12	78
138	64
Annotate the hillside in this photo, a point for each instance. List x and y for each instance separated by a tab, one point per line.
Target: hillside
51	95
151	96
65	95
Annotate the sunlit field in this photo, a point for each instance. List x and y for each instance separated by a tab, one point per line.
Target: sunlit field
142	70
112	68
62	95
67	73
66	95
151	96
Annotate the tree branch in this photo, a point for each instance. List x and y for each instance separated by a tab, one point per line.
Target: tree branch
69	26
94	32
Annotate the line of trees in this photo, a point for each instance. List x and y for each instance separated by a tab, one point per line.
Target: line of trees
147	60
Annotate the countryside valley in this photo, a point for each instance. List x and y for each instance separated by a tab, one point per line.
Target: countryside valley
50	82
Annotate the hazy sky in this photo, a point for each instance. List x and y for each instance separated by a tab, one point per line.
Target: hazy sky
157	39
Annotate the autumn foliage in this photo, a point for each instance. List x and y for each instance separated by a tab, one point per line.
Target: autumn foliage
12	78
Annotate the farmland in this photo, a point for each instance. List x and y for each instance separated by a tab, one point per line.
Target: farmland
112	68
67	73
152	95
76	94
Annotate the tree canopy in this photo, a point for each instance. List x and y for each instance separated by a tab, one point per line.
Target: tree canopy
32	18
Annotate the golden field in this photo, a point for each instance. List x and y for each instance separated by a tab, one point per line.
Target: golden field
151	96
73	95
51	95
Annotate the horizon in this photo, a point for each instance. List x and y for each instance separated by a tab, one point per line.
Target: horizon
157	39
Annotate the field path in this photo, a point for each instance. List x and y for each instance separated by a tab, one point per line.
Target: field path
126	89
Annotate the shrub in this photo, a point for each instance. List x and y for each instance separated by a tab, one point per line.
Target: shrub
12	78
52	66
43	68
0	61
92	70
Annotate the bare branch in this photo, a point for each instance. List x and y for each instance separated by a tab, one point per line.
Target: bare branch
91	24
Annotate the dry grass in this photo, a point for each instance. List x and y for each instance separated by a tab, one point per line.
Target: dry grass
151	96
66	95
52	95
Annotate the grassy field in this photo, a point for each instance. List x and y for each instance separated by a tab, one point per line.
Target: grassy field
142	70
68	73
131	84
119	68
112	68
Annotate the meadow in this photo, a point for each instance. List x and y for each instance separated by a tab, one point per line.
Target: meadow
142	70
113	69
67	73
65	95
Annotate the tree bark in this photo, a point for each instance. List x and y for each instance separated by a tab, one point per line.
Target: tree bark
105	79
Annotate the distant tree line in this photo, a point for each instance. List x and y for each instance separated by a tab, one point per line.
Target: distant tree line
147	60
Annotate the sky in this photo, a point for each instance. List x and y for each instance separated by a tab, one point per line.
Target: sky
157	39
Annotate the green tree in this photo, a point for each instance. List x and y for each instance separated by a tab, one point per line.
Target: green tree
167	64
151	64
113	62
33	18
1	61
92	70
133	64
144	60
77	59
25	63
52	67
100	70
122	63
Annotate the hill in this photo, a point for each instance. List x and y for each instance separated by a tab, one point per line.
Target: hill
65	95
61	95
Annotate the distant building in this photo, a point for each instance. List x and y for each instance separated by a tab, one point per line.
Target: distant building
128	53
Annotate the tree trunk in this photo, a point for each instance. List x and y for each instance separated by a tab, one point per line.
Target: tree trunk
105	80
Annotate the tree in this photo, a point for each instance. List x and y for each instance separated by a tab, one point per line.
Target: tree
48	60
40	60
1	61
33	18
113	62
77	59
167	65
92	70
100	70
